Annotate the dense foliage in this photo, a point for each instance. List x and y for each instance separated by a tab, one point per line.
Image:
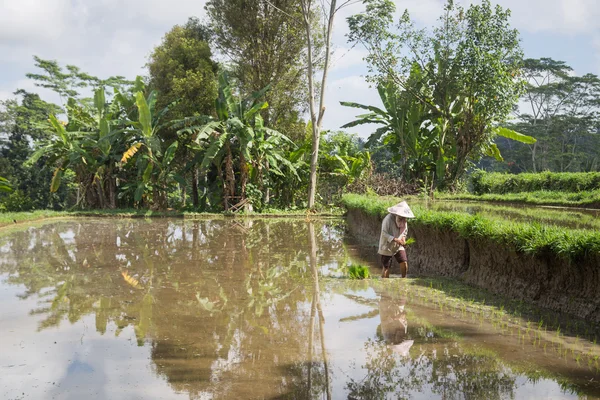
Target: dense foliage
562	111
445	90
232	135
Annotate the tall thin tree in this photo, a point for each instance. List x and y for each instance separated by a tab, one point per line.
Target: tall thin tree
316	117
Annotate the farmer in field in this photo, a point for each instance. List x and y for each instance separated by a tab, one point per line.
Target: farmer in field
393	238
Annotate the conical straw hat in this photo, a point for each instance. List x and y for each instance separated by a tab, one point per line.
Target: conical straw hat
402	209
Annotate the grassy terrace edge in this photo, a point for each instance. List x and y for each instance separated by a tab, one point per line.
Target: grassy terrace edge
587	199
528	238
7	219
502	183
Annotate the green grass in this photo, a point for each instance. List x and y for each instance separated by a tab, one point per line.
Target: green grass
573	218
358	272
529	238
498	183
588	199
9	218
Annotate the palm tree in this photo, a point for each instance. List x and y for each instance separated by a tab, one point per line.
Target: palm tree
238	130
422	137
89	144
154	168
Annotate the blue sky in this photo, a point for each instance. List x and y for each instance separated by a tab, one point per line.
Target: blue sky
114	37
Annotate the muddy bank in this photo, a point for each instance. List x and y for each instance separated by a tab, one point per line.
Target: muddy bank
545	280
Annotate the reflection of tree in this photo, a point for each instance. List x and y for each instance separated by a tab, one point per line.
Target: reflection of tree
447	368
449	371
314	309
225	305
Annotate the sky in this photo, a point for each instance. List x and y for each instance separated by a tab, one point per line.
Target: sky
115	37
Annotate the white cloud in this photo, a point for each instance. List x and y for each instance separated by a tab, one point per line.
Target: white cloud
553	16
344	58
556	16
114	37
29	85
27	21
424	12
596	44
104	37
5	95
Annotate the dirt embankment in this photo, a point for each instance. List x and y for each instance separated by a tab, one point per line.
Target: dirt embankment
547	281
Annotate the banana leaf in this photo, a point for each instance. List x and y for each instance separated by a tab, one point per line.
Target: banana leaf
144	118
513	135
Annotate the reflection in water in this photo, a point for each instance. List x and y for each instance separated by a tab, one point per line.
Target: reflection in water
226	309
316	305
438	364
394	324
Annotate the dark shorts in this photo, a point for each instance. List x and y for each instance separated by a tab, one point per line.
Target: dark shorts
400	256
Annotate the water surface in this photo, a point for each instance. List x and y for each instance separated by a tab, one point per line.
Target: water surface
230	309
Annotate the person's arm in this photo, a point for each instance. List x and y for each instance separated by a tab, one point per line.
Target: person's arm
403	236
385	230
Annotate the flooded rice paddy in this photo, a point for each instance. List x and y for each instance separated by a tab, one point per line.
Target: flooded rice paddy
257	309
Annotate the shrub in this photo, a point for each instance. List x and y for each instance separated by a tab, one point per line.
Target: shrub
16	201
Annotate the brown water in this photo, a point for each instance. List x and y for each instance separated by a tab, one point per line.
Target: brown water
252	309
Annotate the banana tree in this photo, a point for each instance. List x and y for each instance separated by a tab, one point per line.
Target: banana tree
234	133
353	168
5	186
90	145
402	129
269	156
64	150
430	144
154	168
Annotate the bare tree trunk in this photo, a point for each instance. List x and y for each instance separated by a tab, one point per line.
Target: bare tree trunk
533	156
268	190
110	190
195	197
229	174
225	195
243	175
100	193
317	304
316	120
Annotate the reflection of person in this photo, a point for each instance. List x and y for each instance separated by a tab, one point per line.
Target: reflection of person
394	325
394	229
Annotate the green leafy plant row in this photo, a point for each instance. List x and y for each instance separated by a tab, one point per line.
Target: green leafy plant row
525	237
484	182
588	199
569	218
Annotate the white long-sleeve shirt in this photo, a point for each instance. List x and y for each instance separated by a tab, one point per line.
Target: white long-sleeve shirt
389	231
